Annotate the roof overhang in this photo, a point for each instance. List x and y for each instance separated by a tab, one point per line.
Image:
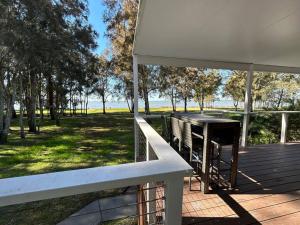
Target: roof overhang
227	34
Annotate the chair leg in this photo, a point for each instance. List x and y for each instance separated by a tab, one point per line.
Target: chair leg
179	145
197	177
219	163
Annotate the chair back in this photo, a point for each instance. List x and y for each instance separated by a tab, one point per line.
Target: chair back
175	127
186	132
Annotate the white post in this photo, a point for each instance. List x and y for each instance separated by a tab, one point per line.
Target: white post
151	192
284	126
247	106
173	202
136	106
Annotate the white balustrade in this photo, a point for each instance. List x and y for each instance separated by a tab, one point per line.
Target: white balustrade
168	167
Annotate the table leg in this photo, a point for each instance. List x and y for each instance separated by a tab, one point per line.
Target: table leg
206	159
235	156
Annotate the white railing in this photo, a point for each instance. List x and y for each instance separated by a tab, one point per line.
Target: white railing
168	167
284	120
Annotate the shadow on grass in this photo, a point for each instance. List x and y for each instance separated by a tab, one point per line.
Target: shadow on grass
80	142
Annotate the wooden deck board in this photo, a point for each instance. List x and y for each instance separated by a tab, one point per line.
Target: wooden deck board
268	191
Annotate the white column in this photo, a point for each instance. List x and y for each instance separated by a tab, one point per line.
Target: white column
284	126
173	204
247	103
151	192
136	106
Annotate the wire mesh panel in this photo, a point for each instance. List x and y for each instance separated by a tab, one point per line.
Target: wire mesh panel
294	127
152	155
142	146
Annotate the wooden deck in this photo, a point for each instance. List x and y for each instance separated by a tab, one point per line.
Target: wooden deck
268	191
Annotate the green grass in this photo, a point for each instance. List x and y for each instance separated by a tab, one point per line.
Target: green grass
80	142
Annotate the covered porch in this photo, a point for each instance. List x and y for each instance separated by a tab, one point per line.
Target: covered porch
252	36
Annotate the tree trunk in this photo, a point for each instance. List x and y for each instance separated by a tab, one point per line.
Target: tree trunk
10	101
31	103
14	113
41	99
199	106
129	108
1	105
147	107
21	123
185	104
236	103
280	99
202	101
56	111
172	100
175	106
1	102
86	103
103	105
80	99
50	97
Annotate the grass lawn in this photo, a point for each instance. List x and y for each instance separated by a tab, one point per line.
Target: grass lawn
80	142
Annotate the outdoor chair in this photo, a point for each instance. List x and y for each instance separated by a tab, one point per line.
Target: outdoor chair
166	128
190	144
176	139
221	137
193	140
188	141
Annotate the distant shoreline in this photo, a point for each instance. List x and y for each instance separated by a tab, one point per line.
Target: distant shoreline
161	104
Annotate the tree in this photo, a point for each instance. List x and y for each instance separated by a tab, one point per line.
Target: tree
167	87
120	18
41	40
102	79
206	84
280	89
186	78
147	83
235	87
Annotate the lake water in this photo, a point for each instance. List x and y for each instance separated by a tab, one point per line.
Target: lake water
155	104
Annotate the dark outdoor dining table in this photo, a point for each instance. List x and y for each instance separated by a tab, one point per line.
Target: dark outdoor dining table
226	131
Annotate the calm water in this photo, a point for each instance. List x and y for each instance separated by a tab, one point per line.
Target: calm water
155	104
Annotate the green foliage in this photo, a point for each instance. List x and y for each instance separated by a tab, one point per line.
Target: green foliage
235	87
206	83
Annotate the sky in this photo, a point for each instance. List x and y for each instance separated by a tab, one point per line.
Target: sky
96	9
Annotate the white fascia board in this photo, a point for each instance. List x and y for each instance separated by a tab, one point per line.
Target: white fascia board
183	62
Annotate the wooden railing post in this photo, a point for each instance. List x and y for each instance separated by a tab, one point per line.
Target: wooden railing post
173	202
141	206
284	126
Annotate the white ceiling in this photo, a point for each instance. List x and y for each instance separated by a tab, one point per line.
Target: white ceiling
265	32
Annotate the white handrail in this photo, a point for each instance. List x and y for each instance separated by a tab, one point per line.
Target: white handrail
284	121
59	184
